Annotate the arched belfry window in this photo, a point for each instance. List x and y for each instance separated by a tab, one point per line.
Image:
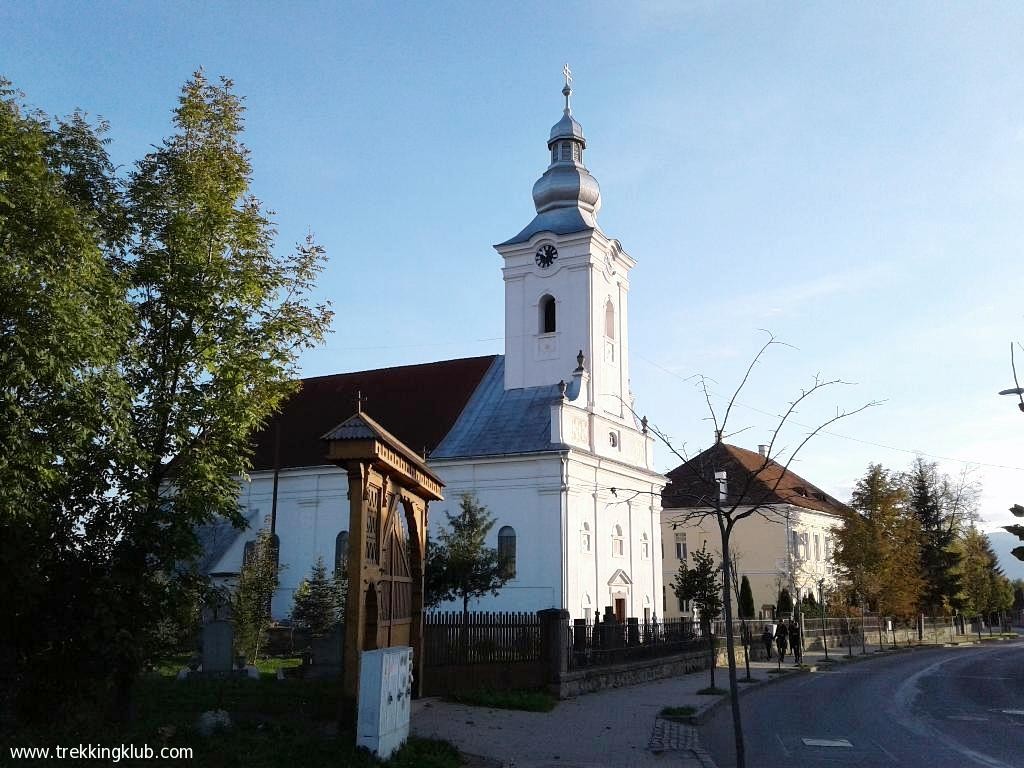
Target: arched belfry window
507	550
609	319
341	553
547	314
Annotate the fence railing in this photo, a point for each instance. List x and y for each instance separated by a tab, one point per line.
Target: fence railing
613	642
868	632
484	638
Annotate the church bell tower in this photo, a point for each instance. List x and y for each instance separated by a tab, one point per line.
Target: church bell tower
567	283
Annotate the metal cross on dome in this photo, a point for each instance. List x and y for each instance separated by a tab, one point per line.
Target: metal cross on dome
568	74
567	90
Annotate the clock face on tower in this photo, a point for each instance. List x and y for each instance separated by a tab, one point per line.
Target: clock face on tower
546	256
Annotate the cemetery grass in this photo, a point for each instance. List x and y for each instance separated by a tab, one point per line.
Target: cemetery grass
274	723
523	700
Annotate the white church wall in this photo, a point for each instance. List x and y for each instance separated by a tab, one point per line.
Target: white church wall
524	493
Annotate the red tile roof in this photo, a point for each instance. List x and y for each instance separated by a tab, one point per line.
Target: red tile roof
692	484
417	403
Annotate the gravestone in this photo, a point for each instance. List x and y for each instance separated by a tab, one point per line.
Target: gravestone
328	653
218	646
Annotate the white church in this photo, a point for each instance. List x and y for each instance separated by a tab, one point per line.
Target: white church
541	434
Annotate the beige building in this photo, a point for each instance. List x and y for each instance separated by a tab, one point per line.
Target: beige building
786	542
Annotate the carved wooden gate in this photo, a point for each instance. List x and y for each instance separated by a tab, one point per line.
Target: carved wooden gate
396	577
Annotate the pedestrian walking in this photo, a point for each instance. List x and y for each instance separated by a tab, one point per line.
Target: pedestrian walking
796	642
781	640
766	638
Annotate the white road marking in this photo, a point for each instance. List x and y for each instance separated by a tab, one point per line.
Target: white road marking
1013	711
826	742
781	744
968	718
888	754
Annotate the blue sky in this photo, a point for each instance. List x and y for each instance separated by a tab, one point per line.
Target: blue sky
849	176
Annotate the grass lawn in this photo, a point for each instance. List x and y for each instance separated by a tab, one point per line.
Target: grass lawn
527	701
290	722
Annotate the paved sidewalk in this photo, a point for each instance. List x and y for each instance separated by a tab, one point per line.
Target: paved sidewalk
617	728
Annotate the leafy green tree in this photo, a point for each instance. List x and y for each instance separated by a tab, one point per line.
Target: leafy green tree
702	586
149	327
317	607
877	547
257	582
459	565
62	412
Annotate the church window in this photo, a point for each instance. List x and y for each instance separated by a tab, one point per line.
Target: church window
817	547
680	546
585	537
618	546
547	314
507	550
341	553
609	320
645	547
565	151
577	155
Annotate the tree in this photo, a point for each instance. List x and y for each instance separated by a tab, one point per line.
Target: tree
745	608
984	588
785	602
62	320
702	587
729	505
173	329
460	565
938	508
257	582
317	605
877	548
746	599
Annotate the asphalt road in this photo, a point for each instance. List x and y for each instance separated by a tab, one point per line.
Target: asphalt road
930	708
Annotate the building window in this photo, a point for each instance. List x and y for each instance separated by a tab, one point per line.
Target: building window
680	546
585	538
618	546
684	605
547	314
609	319
341	553
817	547
645	547
507	550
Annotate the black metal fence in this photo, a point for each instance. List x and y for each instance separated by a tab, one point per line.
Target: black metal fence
607	642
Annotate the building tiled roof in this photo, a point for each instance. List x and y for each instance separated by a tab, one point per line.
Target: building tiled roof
692	484
497	421
417	403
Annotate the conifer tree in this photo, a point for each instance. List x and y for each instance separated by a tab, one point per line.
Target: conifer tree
746	599
316	605
928	496
702	586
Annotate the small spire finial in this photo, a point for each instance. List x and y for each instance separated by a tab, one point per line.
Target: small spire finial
359	401
567	90
579	361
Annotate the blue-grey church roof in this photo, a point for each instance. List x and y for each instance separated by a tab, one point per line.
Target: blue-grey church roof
497	421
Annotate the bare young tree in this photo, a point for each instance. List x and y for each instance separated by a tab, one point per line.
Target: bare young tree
757	493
